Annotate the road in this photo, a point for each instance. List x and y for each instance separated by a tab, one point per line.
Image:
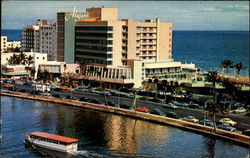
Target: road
241	119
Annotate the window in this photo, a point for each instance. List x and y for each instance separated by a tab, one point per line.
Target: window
43	58
37	57
109	62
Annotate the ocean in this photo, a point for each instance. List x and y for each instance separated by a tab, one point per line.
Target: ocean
204	48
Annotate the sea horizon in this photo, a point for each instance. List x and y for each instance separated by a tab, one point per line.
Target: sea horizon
198	47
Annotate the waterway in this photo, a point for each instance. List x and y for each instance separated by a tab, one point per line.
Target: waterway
102	134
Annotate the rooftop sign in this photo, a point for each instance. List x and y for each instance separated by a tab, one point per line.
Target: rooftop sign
76	15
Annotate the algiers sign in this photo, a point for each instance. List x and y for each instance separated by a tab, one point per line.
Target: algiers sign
76	15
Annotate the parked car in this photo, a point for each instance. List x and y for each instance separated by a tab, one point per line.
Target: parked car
107	93
64	88
228	121
194	106
96	101
33	92
170	106
56	95
172	115
226	127
124	106
157	112
84	99
22	90
239	110
156	100
28	83
206	122
190	119
246	132
110	103
45	94
7	81
181	104
81	90
142	109
7	85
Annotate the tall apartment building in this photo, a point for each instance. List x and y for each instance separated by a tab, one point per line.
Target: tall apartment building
27	38
40	38
105	40
66	34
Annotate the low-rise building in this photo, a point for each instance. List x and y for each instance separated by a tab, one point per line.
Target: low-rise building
9	45
3	43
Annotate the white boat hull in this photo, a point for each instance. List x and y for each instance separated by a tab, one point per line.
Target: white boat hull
52	146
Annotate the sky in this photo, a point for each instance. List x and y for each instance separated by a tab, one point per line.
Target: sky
185	15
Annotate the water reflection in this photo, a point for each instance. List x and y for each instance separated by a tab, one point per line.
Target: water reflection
209	144
103	134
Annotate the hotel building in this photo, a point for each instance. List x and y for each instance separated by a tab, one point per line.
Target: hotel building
127	51
66	34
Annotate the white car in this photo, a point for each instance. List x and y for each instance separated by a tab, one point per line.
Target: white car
46	94
239	110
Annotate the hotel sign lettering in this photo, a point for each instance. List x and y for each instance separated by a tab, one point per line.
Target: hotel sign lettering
76	15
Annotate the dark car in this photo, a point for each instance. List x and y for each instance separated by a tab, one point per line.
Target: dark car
124	106
28	83
206	122
22	90
246	132
157	112
226	127
84	99
96	101
33	92
156	100
57	89
194	106
172	115
7	81
56	95
110	103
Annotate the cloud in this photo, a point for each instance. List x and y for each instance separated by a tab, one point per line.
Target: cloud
228	8
210	9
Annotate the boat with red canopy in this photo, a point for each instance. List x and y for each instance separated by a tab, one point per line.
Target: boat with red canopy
52	141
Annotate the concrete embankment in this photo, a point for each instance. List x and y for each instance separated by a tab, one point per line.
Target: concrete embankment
222	134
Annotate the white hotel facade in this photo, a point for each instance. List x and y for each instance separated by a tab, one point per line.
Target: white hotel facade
127	51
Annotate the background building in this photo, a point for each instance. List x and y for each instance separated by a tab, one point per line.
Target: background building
9	45
3	43
40	38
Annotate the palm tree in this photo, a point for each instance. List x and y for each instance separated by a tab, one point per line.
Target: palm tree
148	88
156	81
238	68
83	69
165	86
30	60
90	72
226	64
212	76
213	108
228	89
134	98
72	83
